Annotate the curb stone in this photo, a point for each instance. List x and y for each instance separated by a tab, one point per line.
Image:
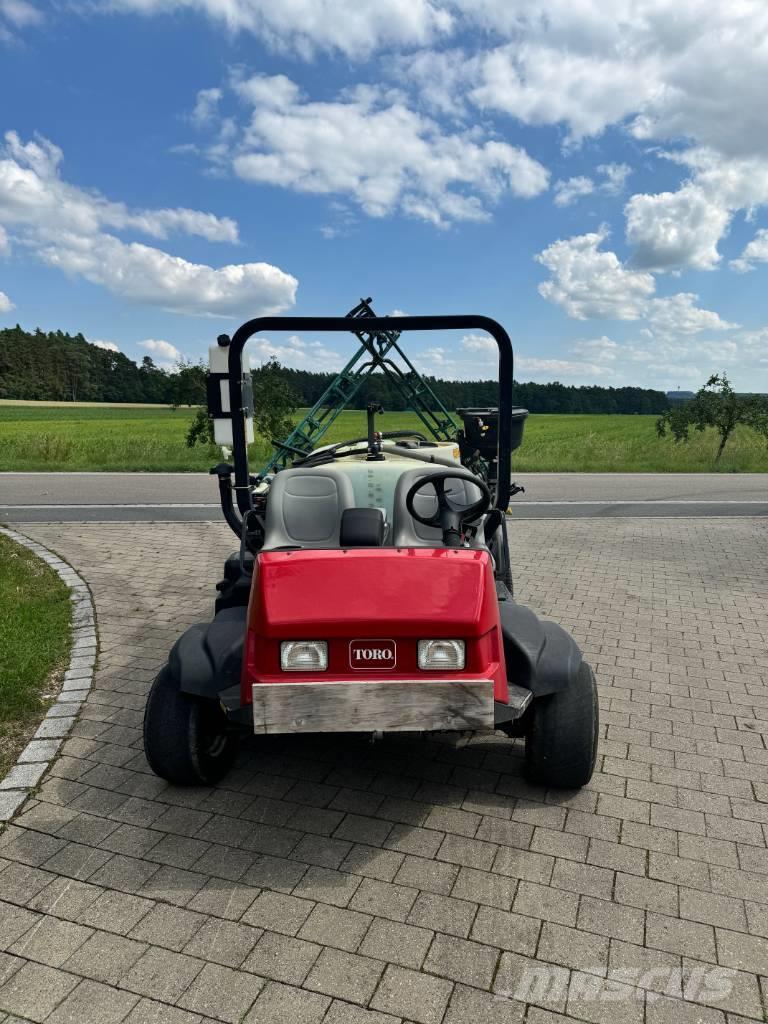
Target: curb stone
36	757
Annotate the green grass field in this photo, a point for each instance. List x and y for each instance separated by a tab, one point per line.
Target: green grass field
34	642
47	437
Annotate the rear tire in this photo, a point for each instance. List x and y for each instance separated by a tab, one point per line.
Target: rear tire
561	743
187	740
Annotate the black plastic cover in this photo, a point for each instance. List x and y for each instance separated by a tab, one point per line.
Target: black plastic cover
362	528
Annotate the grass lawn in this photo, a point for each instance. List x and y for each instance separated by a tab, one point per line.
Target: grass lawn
72	437
34	643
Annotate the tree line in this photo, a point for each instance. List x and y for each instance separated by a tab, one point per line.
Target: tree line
39	366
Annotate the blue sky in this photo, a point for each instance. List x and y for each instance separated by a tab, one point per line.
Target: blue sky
169	168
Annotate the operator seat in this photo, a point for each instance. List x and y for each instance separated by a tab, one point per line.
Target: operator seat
407	533
304	508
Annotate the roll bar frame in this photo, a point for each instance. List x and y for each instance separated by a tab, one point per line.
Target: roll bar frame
312	324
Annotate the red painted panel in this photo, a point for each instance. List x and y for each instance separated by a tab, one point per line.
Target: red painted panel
403	595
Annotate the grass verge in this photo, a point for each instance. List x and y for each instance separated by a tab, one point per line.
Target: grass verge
43	437
35	614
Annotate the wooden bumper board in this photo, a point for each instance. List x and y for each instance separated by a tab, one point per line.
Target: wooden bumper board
404	705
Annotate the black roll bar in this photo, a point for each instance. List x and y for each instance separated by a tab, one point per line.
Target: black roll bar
373	325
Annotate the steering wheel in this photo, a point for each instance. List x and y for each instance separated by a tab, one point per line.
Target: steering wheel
449	517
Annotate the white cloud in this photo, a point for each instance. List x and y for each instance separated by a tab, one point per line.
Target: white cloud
19	14
346	148
65	227
148	275
679	229
206	106
675	229
32	193
588	282
601	350
678	314
5	303
479	343
567	192
295	352
756	251
108	346
354	27
5	245
615	177
164	349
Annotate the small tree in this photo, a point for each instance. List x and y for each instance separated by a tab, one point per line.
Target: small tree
716	405
274	401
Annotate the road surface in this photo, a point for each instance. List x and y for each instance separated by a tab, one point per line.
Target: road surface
193	497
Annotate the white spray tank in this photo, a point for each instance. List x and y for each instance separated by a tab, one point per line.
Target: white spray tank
218	394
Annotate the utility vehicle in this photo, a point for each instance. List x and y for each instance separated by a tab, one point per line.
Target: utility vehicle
372	588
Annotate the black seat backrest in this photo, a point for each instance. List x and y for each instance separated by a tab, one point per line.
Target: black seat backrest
362	528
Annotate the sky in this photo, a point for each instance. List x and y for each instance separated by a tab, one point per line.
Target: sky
593	175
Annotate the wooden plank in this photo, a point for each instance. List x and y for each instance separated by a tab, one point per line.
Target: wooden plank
409	705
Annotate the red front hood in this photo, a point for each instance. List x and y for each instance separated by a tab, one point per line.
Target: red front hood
404	594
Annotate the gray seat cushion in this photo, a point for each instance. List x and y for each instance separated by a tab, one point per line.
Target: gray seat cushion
304	508
407	532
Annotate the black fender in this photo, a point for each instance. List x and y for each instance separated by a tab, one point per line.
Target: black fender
540	655
208	657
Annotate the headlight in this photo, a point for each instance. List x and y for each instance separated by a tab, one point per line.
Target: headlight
441	654
304	656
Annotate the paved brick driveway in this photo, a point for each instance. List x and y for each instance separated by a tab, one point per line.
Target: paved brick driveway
417	879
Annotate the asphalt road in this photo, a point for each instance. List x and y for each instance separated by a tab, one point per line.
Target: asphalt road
193	497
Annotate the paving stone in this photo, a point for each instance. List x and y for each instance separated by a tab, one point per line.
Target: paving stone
548	904
742	952
35	990
105	957
397	943
148	1011
223	898
115	911
93	1003
334	926
50	941
521	979
684	937
383	899
162	974
432	875
222	993
283	1004
506	930
611	919
223	942
470	1005
282	958
344	975
418	997
278	912
596	999
461	960
484	887
346	1013
167	926
382	865
15	922
443	913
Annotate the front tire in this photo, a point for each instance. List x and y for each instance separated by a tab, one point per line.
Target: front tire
561	743
187	740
